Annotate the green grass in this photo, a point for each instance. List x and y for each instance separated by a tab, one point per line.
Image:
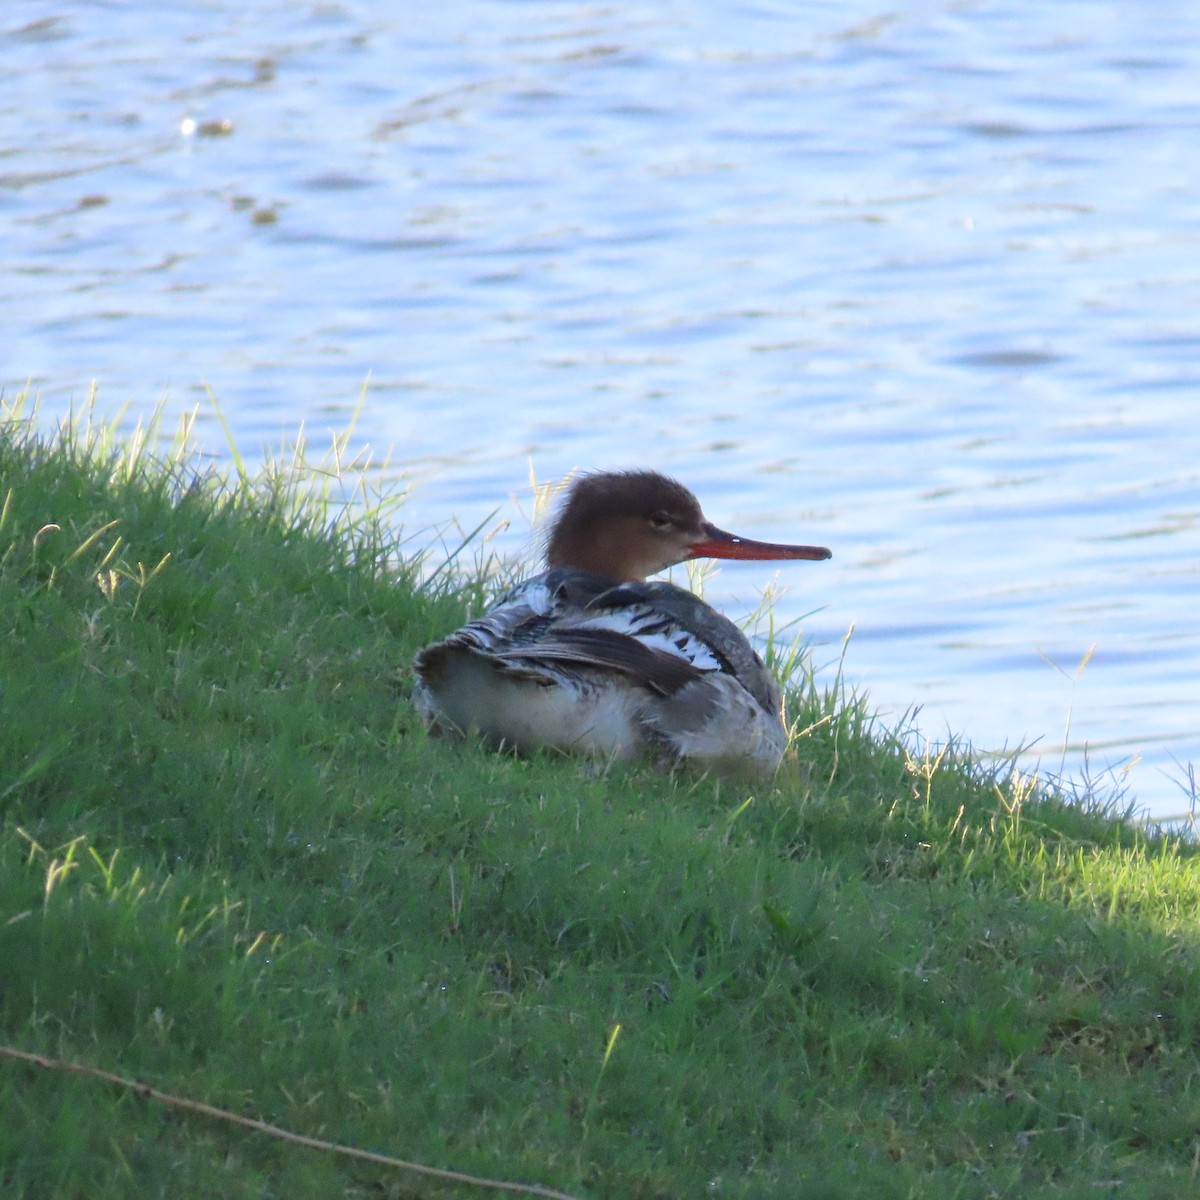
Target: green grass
233	866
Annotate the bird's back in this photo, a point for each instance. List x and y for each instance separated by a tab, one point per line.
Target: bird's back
572	660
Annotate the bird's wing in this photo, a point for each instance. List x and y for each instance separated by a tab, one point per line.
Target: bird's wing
670	616
657	635
605	649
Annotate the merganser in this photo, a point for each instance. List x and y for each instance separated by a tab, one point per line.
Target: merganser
588	657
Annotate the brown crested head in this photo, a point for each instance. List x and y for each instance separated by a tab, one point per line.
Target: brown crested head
626	525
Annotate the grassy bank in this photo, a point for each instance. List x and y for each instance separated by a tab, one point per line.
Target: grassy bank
233	867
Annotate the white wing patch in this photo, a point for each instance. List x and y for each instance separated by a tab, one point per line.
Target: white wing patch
523	615
649	628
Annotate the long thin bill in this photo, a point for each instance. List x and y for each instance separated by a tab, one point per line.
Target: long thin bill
719	544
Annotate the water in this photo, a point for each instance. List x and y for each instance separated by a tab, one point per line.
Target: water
918	284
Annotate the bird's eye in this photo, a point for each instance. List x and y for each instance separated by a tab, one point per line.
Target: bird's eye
661	522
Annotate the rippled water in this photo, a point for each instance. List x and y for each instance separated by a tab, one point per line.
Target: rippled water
920	284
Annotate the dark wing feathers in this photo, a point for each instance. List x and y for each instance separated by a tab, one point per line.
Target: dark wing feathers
659	636
609	650
683	610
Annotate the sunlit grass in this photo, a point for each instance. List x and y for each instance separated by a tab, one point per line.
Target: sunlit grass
233	865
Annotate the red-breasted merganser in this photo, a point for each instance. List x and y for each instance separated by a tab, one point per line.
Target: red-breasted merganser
588	657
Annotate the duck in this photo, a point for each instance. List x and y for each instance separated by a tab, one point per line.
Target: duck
592	657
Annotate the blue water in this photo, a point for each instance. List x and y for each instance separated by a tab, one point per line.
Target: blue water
921	285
